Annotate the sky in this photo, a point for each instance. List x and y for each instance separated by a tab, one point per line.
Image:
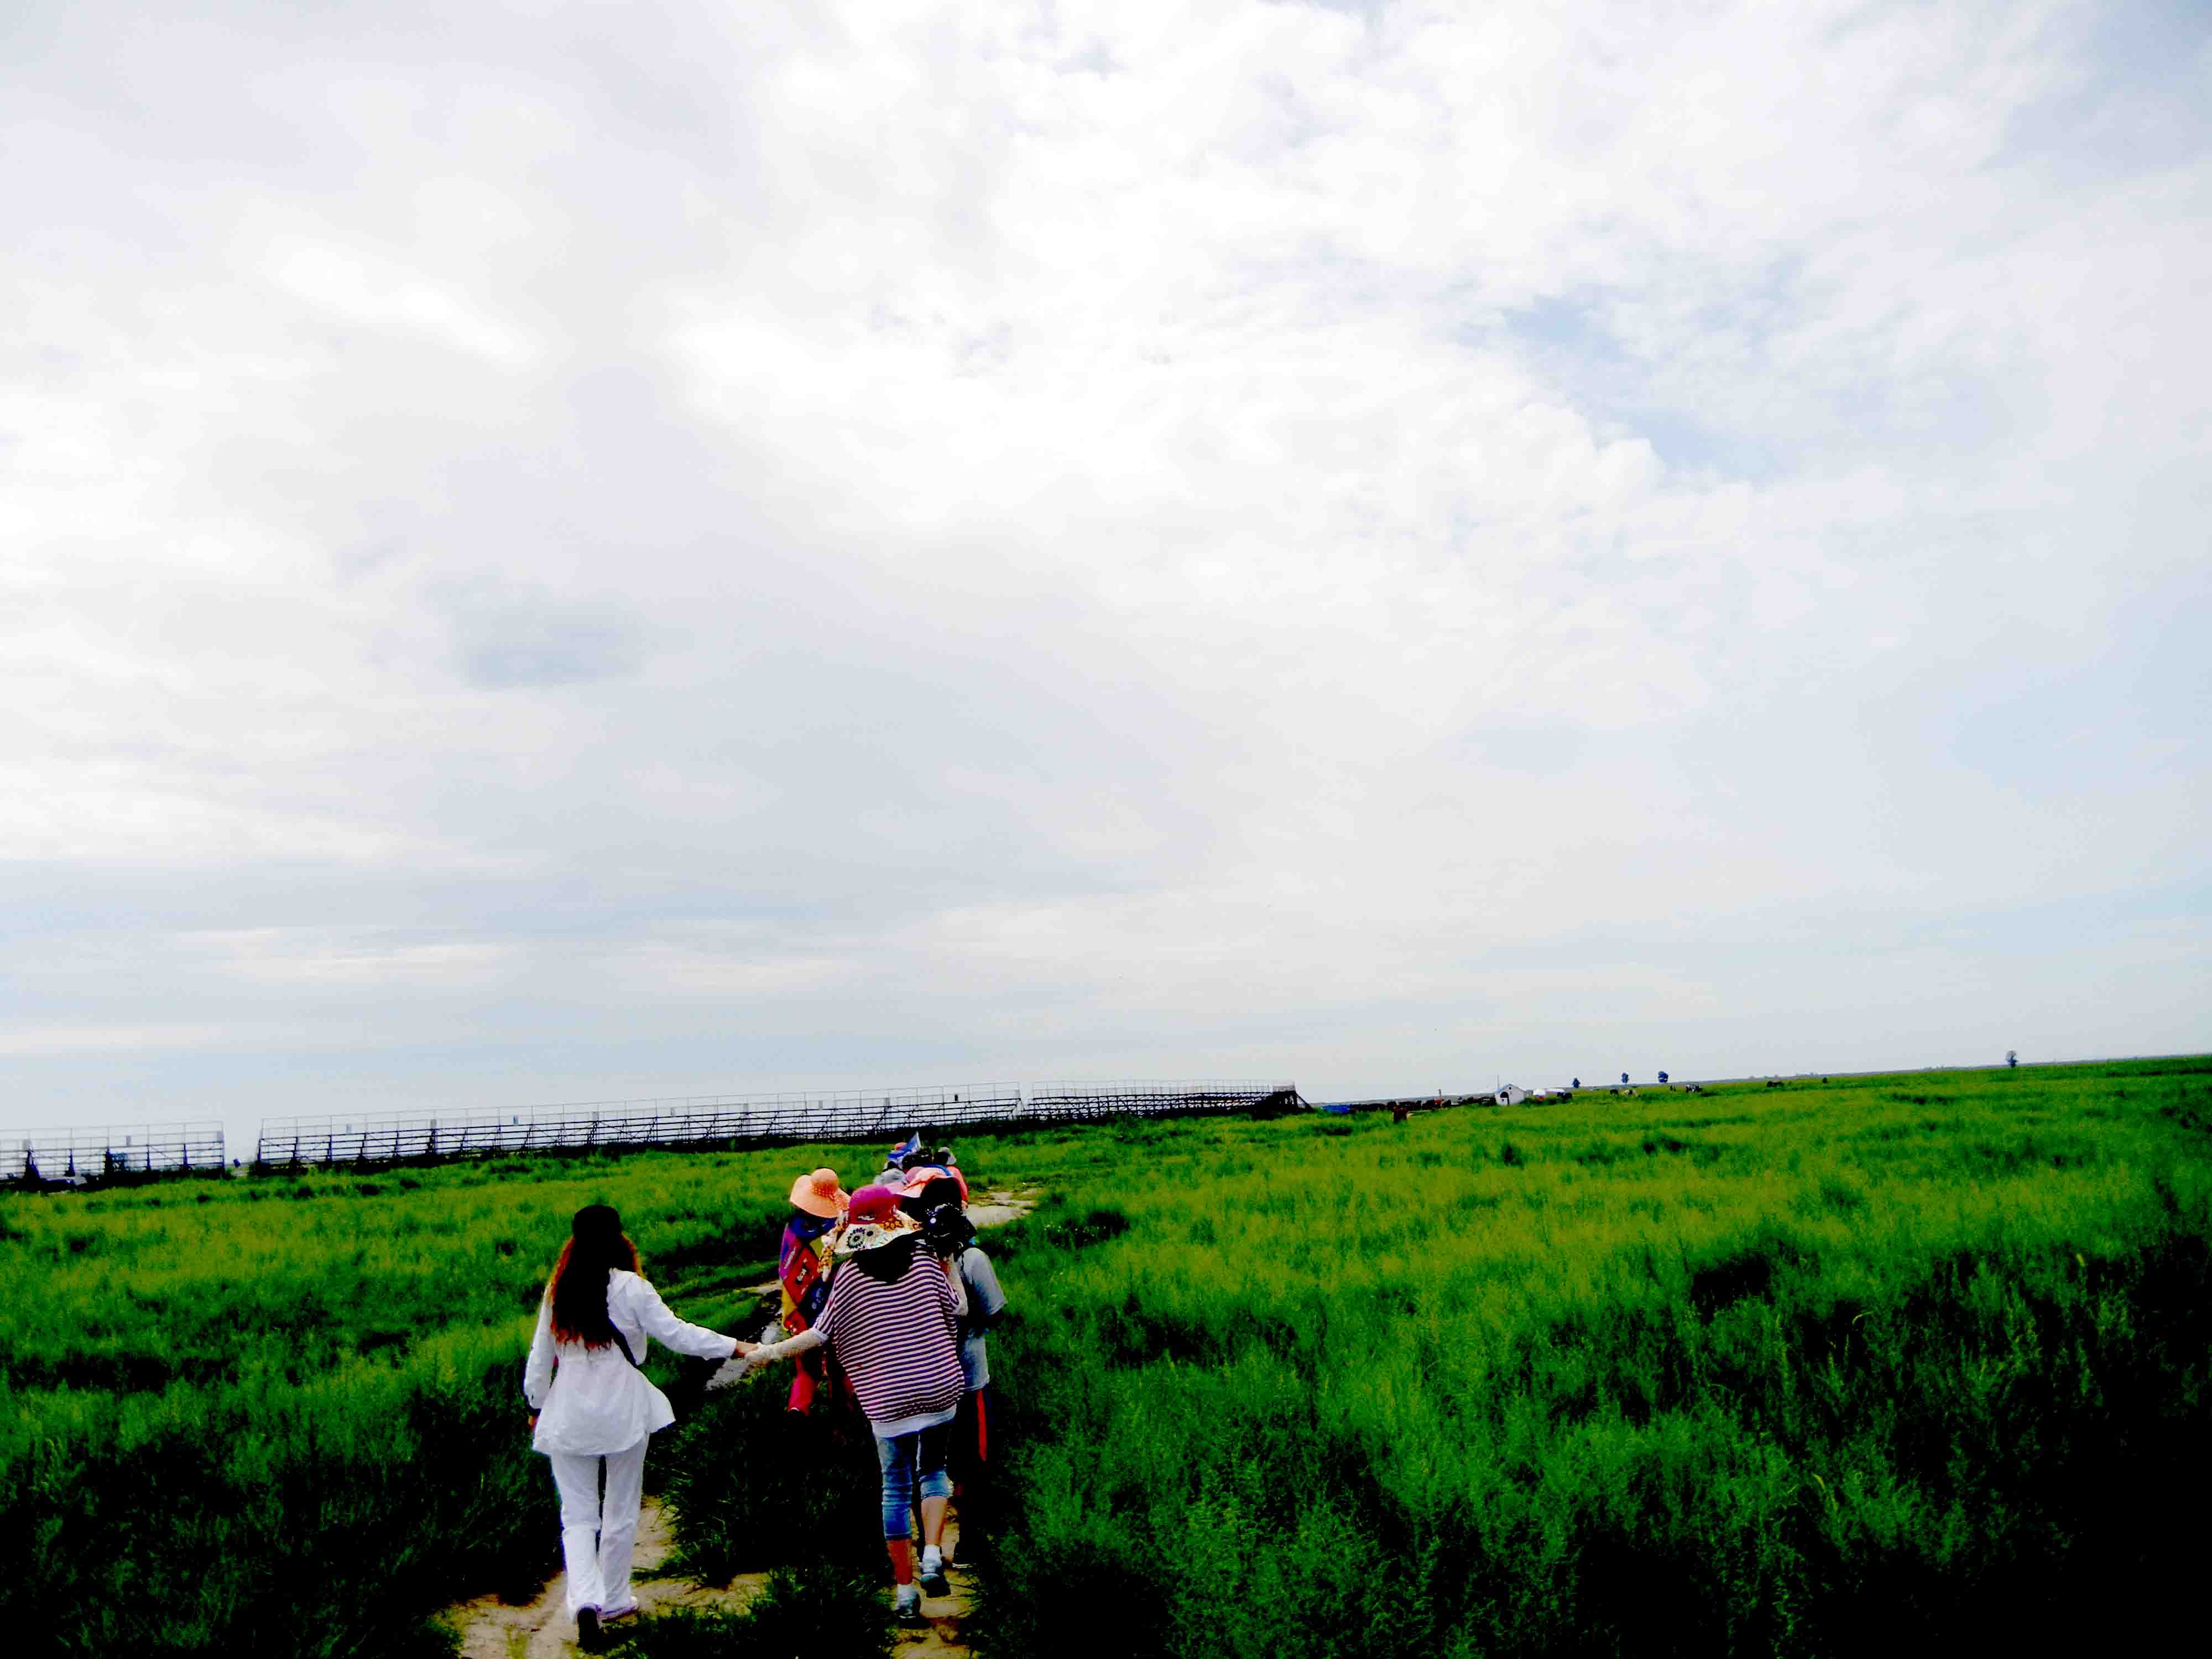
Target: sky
555	552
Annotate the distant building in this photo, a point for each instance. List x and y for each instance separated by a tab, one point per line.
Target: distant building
1510	1095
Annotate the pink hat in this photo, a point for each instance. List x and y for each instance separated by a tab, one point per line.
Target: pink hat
818	1193
922	1175
874	1221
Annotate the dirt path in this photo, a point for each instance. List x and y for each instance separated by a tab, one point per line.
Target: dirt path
492	1629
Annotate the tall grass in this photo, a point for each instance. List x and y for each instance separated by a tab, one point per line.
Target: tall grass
1800	1371
284	1417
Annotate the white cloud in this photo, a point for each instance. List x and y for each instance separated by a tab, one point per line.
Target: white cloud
360	288
371	962
35	1041
1142	537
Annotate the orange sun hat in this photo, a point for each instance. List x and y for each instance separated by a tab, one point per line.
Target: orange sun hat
818	1193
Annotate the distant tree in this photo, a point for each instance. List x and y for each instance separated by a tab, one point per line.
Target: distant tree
1624	1077
1576	1084
2011	1058
1662	1077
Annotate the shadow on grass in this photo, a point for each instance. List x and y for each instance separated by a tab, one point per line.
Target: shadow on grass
818	1609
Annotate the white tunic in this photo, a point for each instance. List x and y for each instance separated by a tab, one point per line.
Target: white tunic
596	1402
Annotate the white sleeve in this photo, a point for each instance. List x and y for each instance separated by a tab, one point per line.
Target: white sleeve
735	1369
791	1345
670	1332
537	1375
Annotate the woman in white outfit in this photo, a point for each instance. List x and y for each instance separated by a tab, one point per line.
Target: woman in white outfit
591	1408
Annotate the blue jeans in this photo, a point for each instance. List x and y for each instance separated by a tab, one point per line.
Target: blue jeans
903	1459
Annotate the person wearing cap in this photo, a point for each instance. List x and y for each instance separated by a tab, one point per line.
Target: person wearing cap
802	1271
591	1408
892	1321
894	1159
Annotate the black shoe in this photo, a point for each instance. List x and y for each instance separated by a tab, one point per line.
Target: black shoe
936	1583
588	1630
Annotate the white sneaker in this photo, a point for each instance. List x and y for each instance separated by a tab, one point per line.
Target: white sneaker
932	1573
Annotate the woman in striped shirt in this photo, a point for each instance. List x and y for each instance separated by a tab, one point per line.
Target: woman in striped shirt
893	1322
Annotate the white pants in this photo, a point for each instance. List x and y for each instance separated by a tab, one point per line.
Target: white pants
597	1534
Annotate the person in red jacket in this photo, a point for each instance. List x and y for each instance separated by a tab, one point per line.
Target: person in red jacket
803	1263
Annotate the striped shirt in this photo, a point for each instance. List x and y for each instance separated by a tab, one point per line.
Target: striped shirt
899	1344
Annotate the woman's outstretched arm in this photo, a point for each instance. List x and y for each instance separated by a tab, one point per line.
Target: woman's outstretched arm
757	1353
667	1330
752	1355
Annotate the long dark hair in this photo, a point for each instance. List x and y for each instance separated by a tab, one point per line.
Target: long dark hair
579	1288
888	1261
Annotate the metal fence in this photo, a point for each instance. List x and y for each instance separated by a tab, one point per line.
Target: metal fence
95	1154
711	1121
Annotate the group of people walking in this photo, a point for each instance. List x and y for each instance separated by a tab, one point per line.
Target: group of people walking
886	1300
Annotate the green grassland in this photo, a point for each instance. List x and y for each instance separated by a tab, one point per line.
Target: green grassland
1803	1371
284	1416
